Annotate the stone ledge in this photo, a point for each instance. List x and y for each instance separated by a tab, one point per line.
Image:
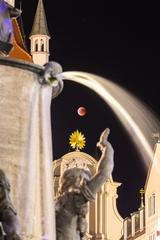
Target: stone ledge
21	64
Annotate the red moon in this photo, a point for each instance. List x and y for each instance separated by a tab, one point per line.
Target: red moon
82	111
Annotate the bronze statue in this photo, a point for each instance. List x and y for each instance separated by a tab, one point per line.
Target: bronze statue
9	225
77	188
6	27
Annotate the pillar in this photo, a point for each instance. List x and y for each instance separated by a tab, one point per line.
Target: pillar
133	224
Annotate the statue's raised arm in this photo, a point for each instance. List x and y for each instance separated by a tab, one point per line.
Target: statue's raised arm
105	165
77	188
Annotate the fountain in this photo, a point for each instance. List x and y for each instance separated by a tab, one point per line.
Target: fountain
26	91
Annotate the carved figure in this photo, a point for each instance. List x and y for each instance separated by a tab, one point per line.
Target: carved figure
9	225
77	188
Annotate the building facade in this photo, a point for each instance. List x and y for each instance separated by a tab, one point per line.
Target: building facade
145	223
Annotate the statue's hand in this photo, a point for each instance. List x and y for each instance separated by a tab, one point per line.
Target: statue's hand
103	140
105	164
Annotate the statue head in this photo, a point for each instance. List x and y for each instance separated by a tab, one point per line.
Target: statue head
4	186
73	178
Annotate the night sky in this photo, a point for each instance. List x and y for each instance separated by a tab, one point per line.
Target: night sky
118	41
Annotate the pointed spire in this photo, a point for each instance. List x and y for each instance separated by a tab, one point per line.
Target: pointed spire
40	21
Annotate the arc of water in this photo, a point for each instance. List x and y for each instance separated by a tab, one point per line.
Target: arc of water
121	102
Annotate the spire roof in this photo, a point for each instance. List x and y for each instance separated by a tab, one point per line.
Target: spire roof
40	21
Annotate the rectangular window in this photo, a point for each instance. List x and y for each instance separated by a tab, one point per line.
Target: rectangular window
151	205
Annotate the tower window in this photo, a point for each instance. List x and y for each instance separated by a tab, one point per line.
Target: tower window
151	205
36	46
42	45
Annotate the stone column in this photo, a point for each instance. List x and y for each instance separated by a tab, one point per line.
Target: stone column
133	224
26	145
99	215
141	212
125	228
105	211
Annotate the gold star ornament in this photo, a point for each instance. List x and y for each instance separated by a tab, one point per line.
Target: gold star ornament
77	140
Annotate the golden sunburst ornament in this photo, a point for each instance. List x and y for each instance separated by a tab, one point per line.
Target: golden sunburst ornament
77	140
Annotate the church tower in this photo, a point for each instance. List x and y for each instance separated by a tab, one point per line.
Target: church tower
144	224
40	37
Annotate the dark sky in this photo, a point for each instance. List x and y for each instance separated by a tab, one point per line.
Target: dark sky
118	41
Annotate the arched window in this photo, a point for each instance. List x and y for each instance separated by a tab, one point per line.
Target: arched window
36	46
42	45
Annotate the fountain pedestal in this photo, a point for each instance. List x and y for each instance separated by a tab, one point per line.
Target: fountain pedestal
25	145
